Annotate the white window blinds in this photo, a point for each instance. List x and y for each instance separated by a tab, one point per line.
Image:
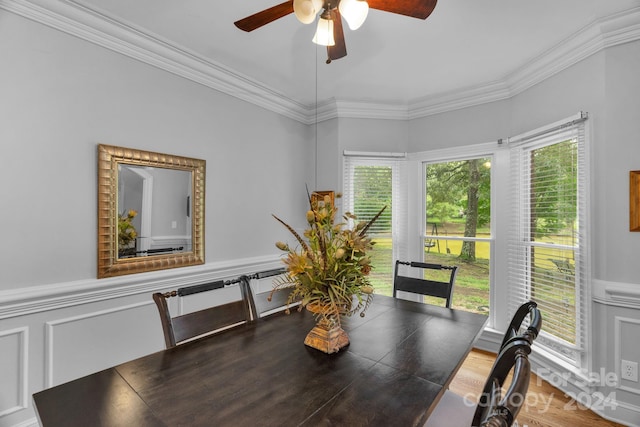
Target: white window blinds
369	183
547	245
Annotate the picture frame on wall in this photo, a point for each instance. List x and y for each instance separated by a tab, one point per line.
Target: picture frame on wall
318	196
634	200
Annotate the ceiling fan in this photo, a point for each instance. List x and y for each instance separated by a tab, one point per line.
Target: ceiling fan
330	32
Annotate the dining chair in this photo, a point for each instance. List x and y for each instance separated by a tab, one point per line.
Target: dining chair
275	300
180	329
441	288
528	309
493	409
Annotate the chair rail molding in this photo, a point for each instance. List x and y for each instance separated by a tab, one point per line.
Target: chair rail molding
616	293
25	301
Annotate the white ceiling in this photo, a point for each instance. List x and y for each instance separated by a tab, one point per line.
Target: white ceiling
391	59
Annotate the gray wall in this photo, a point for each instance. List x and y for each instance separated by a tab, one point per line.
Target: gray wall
619	152
61	96
606	86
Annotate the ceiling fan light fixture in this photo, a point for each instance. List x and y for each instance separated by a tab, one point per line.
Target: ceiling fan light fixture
324	33
354	12
306	10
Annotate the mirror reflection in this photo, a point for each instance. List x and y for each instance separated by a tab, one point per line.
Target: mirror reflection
153	211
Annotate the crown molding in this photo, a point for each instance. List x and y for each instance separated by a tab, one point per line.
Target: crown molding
334	108
620	28
371	110
602	33
77	20
616	29
455	100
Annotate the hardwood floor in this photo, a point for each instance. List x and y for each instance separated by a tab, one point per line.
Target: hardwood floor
546	406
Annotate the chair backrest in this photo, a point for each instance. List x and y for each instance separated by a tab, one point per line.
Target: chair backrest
425	286
495	409
529	308
207	321
274	301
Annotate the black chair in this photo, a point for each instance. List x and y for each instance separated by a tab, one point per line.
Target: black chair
426	286
530	309
180	329
493	408
274	301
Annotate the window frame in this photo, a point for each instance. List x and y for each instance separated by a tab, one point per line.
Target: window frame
417	222
570	128
397	163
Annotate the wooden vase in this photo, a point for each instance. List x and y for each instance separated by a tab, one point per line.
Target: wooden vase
326	336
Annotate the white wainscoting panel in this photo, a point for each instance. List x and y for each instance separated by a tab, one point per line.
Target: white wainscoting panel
627	331
59	332
616	320
14	370
80	345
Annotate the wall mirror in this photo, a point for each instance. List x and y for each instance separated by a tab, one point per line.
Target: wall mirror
150	211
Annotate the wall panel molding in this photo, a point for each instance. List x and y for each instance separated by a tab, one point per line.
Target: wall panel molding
33	422
57	325
21	371
619	323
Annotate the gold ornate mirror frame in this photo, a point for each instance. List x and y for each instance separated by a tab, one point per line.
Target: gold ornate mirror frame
109	262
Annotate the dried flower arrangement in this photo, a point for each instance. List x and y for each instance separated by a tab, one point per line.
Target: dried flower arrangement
328	270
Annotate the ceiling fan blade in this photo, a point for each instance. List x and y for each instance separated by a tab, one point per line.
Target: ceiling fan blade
339	50
259	19
420	9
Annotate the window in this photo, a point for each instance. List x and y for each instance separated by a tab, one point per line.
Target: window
546	248
370	184
458	226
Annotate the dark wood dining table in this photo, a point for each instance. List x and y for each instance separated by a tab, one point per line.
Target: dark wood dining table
401	358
